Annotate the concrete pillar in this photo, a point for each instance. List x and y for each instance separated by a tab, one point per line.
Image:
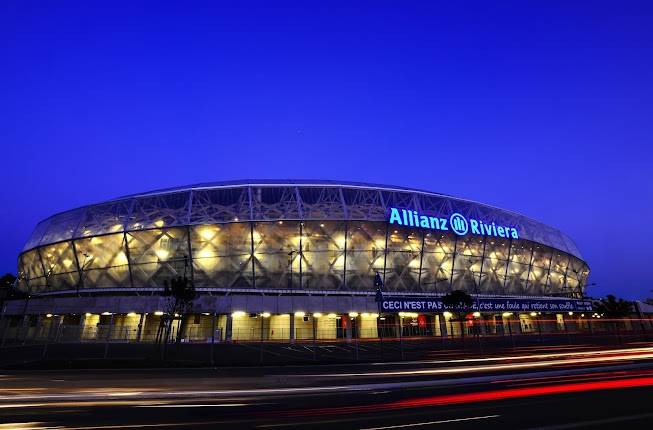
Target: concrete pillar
229	328
141	325
400	326
292	327
80	326
24	328
39	327
443	325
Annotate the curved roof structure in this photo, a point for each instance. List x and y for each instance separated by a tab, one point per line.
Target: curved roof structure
271	200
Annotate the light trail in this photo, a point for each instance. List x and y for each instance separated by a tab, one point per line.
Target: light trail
196	405
517	357
640	354
474	397
595	357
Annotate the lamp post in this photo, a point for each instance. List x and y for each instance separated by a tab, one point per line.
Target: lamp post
291	254
290	259
580	289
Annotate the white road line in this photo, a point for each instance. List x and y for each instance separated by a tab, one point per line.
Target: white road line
428	423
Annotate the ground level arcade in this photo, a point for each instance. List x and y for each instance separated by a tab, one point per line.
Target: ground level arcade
240	326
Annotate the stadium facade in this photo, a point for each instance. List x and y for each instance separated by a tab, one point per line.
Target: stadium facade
295	259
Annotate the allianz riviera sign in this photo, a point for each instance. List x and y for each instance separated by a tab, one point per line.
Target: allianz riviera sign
456	223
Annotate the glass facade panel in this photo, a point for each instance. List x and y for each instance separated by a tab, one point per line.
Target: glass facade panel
101	219
520	259
470	245
276	248
96	254
31	265
160	211
556	284
557	278
466	273
516	279
158	255
539	270
60	265
101	251
521	252
222	255
62	226
537	281
403	259
467	264
365	254
323	255
58	258
494	274
63	281
37	234
32	269
437	263
495	265
109	277
577	275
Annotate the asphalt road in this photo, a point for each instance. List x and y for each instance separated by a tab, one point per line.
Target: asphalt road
530	389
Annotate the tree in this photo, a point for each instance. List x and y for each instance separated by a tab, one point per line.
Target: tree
182	293
7	288
7	280
613	308
460	303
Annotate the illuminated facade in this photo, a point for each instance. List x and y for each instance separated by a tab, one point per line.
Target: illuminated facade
292	239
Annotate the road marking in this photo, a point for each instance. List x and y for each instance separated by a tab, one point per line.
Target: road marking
428	423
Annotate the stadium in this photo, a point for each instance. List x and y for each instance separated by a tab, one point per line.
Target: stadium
285	260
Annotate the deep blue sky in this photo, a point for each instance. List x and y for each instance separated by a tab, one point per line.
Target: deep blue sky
544	108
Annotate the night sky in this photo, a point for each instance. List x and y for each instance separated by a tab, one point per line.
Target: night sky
543	108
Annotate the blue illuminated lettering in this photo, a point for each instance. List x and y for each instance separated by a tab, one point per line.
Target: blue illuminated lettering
394	216
460	224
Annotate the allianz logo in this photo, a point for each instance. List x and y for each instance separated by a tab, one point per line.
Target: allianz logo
456	223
